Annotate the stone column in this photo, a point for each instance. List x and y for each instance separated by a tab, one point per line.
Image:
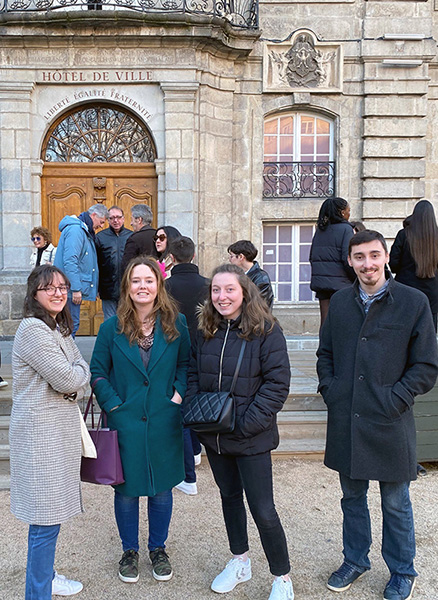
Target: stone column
178	202
396	55
16	183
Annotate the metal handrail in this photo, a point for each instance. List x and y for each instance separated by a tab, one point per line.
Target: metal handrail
299	179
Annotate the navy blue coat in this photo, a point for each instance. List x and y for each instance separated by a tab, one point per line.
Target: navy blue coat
329	258
370	369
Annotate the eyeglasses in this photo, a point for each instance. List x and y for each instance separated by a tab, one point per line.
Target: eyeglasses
115	218
160	237
51	289
36	238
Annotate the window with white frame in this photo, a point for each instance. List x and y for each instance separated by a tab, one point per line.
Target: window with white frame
286	249
298	156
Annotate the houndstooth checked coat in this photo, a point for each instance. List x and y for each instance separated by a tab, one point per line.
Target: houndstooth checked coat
44	434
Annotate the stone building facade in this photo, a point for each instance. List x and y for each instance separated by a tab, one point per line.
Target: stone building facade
248	126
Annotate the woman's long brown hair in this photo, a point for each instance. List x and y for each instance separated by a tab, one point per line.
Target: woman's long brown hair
256	318
422	235
164	305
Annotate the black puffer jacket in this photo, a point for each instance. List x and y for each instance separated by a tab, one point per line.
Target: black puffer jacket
110	247
261	390
329	258
262	281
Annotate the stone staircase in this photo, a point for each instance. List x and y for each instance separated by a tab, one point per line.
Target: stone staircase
301	423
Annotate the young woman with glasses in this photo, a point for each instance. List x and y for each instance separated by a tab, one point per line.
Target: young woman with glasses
49	374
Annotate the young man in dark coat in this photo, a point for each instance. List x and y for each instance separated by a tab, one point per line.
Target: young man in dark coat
189	289
243	254
377	352
110	246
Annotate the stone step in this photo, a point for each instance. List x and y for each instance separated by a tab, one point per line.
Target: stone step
4	459
302	425
4	429
5	482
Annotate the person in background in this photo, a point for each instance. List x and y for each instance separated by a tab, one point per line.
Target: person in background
3	383
357	226
110	246
329	252
189	289
76	256
243	254
142	240
241	460
45	431
414	254
44	251
377	352
162	239
139	371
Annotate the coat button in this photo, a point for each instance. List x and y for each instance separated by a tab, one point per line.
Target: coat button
145	382
361	377
144	418
364	339
356	415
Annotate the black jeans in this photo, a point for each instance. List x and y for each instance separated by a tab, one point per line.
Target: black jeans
233	474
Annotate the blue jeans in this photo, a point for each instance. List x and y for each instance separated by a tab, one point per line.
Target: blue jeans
398	536
109	308
233	475
191	447
159	515
75	311
40	560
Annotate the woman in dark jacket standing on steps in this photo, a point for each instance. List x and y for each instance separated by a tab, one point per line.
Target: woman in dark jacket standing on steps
414	254
241	460
329	252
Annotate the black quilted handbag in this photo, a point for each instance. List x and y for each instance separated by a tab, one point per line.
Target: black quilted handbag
213	412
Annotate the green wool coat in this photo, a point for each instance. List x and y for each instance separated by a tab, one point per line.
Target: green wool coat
148	423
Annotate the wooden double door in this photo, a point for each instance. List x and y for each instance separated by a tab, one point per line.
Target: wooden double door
69	189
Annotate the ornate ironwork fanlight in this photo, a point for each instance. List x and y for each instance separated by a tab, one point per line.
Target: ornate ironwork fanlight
99	133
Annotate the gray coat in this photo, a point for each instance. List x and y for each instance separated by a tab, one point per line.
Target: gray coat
370	369
44	434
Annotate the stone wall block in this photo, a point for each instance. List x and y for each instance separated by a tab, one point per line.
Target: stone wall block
180	120
395	127
7	144
171	175
11	174
173	143
393	188
13	120
394	168
185	174
17	257
188	143
410	87
390	209
400	106
394	148
14	202
180	200
26	175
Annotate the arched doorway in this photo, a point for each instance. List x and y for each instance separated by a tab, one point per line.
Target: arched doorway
98	153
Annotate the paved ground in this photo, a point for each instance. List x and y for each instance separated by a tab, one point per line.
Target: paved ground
307	498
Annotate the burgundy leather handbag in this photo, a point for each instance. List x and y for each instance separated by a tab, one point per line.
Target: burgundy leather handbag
106	469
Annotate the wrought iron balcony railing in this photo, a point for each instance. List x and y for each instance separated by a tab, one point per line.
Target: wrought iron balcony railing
240	13
298	179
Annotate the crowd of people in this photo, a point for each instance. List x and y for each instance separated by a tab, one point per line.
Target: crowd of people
170	334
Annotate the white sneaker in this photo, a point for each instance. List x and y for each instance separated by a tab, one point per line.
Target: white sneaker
191	489
197	458
61	586
234	573
282	590
4	383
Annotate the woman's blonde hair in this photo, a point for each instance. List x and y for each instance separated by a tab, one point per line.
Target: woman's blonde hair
256	318
164	305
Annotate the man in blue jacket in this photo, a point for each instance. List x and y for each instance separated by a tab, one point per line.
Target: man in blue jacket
377	352
76	256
